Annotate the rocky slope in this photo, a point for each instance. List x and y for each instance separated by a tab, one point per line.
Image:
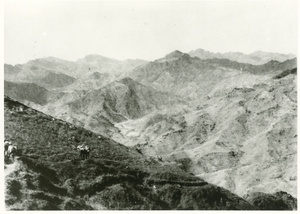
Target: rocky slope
242	136
90	82
255	58
48	175
98	110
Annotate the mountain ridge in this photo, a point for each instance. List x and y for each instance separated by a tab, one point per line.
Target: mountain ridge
217	118
256	58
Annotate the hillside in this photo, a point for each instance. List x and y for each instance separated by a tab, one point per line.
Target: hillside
26	92
116	102
90	82
242	136
53	80
123	99
48	175
99	109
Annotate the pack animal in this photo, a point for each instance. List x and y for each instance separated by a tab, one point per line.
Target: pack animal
11	151
84	152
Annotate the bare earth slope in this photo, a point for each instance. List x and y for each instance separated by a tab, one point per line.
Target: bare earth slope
242	136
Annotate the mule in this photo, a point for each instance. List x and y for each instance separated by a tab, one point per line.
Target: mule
11	151
84	152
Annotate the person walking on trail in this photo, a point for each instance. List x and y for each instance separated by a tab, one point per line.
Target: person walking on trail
6	145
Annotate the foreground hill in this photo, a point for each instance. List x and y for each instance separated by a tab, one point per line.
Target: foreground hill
49	176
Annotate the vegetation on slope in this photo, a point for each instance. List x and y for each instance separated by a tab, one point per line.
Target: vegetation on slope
50	175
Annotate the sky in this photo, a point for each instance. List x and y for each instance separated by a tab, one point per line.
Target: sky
145	29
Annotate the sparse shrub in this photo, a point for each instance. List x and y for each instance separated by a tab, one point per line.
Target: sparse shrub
13	188
71	187
51	199
72	204
13	192
36	204
184	163
277	201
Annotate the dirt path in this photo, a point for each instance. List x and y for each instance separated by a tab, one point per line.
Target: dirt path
9	168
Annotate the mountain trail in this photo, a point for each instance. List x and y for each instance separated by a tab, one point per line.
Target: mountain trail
9	168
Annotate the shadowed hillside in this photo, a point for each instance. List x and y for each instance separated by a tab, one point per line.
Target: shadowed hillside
53	80
26	92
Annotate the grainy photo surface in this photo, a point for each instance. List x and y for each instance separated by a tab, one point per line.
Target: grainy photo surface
149	105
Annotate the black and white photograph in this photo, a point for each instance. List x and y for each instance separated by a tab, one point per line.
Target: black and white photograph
149	105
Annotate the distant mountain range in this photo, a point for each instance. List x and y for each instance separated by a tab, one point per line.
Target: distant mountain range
228	118
184	75
255	58
53	73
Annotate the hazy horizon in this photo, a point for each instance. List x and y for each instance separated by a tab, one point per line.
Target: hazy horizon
111	57
145	30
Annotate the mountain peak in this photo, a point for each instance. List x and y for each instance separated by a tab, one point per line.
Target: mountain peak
174	54
94	57
201	50
258	52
